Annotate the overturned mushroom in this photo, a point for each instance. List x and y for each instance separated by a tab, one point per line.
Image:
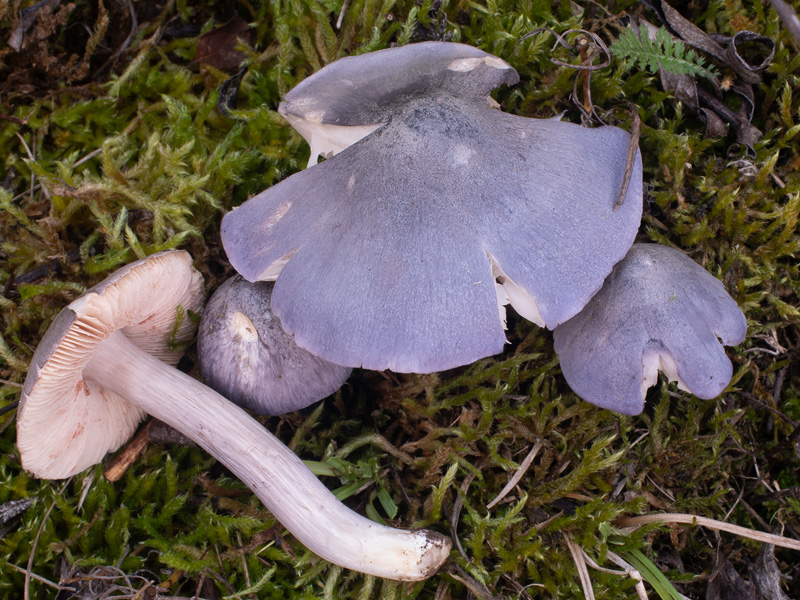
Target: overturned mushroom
400	251
246	356
658	310
99	368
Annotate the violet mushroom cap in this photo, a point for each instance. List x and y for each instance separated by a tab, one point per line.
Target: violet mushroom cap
94	362
348	100
245	355
400	251
658	310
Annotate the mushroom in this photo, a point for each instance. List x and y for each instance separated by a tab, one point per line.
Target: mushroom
657	311
400	251
101	366
245	355
347	101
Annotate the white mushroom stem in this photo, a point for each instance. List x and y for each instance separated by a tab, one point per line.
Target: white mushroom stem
277	476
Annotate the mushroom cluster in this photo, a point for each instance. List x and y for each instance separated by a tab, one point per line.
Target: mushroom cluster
433	210
401	249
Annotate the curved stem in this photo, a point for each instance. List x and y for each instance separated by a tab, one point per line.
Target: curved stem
275	474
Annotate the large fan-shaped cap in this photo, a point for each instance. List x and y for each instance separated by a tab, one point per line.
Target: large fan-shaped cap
658	310
66	422
246	356
389	251
353	96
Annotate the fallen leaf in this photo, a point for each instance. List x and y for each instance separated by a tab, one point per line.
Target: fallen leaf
217	48
766	575
27	19
727	584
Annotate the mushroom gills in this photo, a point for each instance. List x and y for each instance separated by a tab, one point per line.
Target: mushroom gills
508	292
654	361
325	139
105	359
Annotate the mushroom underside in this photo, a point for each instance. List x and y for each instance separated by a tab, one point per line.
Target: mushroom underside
395	243
60	437
105	352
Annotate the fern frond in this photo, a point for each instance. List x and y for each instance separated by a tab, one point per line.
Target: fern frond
661	52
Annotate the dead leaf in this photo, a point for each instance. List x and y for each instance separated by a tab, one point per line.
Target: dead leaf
229	94
766	575
727	584
27	19
11	510
749	54
746	54
217	48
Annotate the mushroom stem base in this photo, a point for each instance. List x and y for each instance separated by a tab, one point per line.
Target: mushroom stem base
275	474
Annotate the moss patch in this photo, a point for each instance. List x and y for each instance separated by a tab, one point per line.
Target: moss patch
103	167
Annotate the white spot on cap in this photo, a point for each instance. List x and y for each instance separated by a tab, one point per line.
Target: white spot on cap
464	65
244	328
314	117
462	154
497	63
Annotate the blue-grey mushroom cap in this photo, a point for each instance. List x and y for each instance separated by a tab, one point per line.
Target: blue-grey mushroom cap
353	96
399	251
357	90
245	355
658	310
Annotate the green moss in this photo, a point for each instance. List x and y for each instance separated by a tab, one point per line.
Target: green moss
111	171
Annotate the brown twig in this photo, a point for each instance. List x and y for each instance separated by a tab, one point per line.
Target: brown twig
769	538
472	584
131	453
9	407
633	146
28	572
456	513
13	119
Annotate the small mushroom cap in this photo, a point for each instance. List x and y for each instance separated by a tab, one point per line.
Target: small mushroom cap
386	255
361	90
657	310
353	96
67	423
245	355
